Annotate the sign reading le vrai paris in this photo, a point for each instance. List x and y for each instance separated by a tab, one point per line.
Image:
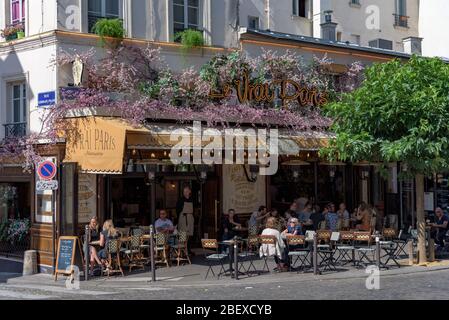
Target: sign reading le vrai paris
285	90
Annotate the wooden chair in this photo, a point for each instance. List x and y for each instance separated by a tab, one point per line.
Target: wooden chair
362	242
161	249
179	250
214	258
266	241
114	262
297	251
134	253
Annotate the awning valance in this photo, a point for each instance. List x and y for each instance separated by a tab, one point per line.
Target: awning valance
98	143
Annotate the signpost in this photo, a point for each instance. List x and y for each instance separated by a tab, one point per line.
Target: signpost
46	172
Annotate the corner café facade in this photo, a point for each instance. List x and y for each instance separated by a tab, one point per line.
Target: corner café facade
124	173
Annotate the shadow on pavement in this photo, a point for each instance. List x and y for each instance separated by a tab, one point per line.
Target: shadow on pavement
9	269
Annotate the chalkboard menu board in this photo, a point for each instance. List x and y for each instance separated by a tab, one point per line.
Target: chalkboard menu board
69	255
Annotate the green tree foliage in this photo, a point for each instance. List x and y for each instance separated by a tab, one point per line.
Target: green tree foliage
400	113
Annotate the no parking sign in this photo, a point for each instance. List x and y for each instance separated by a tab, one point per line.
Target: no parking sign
46	170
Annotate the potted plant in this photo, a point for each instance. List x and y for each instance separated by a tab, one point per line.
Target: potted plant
110	31
13	32
190	38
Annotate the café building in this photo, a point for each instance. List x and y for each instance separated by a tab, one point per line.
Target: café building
113	170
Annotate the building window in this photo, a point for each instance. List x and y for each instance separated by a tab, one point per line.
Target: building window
355	3
17	110
339	36
17	11
400	17
253	23
186	15
355	38
299	8
99	9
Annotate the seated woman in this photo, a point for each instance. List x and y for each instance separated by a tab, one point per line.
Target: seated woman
94	236
278	250
363	218
293	227
108	233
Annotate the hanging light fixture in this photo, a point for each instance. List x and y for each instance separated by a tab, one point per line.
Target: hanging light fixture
251	176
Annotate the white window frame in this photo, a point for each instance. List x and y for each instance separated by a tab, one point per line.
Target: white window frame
255	18
23	99
186	15
295	9
21	8
103	12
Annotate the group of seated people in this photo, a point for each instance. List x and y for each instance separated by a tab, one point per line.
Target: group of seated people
100	257
312	218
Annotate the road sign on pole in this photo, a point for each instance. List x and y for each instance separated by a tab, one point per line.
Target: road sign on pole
46	170
47	185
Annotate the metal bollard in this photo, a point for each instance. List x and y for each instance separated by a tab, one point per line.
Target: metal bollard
236	262
378	252
153	268
431	250
86	252
410	252
315	254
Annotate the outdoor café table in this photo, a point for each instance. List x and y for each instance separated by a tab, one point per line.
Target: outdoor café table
230	244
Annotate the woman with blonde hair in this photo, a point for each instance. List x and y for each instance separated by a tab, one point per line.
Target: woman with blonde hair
94	236
109	233
277	250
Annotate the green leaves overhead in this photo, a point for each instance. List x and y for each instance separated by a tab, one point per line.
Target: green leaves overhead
400	113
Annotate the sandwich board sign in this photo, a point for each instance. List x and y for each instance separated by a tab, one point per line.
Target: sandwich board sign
69	255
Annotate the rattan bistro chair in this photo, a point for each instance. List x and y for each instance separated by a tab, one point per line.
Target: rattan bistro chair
179	250
162	249
362	241
249	254
114	263
214	258
324	237
266	241
345	248
298	252
134	253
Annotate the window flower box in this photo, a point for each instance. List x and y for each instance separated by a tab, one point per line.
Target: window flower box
13	32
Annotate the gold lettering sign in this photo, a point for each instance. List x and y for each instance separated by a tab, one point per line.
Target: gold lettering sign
288	90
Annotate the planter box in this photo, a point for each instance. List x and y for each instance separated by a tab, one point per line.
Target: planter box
11	37
20	35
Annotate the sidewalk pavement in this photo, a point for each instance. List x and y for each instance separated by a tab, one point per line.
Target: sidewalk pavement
193	276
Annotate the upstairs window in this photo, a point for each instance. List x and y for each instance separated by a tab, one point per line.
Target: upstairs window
17	11
186	15
253	23
16	113
299	8
400	16
99	9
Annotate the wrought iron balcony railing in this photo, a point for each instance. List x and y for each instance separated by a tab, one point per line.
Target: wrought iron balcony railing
400	20
15	130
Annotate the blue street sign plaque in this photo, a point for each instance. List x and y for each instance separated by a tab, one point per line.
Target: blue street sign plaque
46	99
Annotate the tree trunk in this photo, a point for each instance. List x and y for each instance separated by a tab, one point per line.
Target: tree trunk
420	219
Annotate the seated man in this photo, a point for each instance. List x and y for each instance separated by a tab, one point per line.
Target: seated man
164	225
440	227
